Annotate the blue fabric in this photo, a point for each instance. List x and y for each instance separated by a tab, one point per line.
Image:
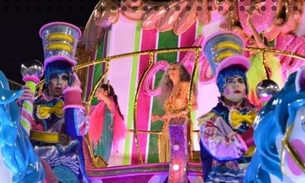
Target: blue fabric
65	175
206	160
224	175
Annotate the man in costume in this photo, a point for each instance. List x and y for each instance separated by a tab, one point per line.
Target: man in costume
59	116
226	131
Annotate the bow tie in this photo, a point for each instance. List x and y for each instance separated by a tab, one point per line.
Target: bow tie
44	112
236	118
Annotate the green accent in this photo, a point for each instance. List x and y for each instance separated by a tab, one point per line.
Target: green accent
27	105
97	69
199	28
271	43
31	85
25	125
132	93
166	40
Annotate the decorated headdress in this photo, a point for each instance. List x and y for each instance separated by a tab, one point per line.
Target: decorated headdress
223	51
59	40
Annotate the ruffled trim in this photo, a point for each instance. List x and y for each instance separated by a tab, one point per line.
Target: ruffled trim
245	105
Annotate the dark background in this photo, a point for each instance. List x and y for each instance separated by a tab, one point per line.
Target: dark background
20	23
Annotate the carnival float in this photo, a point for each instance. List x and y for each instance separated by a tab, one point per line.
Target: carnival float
130	44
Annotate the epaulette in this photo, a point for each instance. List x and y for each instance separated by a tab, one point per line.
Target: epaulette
210	116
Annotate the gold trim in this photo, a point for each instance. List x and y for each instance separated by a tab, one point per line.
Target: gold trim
97	84
161	51
46	137
291	151
151	62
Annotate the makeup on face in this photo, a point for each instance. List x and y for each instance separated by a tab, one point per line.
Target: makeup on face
235	89
233	79
57	83
63	77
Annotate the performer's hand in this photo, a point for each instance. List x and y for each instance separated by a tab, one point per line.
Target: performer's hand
155	118
167	117
27	95
76	81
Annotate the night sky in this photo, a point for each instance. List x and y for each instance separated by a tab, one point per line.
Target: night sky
20	24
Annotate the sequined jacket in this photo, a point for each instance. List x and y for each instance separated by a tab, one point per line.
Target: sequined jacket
58	130
219	144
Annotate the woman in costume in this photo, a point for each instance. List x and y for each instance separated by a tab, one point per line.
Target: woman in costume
107	125
257	72
175	85
226	143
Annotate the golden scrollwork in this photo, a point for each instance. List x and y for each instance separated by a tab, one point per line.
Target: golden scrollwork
197	51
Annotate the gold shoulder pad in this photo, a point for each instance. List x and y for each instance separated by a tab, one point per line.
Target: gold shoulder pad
210	116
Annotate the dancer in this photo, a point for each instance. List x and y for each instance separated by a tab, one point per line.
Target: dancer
175	85
107	125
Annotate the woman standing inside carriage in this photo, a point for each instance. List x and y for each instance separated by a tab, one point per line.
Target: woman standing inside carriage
175	85
107	125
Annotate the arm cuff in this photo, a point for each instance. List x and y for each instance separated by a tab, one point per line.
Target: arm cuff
73	97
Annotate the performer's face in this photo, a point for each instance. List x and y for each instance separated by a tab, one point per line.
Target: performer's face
235	89
174	72
100	93
57	84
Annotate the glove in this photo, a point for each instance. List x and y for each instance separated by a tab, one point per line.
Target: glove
27	95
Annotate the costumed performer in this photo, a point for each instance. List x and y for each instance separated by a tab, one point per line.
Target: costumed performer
60	121
107	126
226	142
175	84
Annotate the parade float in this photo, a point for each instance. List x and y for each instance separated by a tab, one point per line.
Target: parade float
130	44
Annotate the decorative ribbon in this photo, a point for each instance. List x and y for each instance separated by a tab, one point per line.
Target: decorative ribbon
236	118
45	111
